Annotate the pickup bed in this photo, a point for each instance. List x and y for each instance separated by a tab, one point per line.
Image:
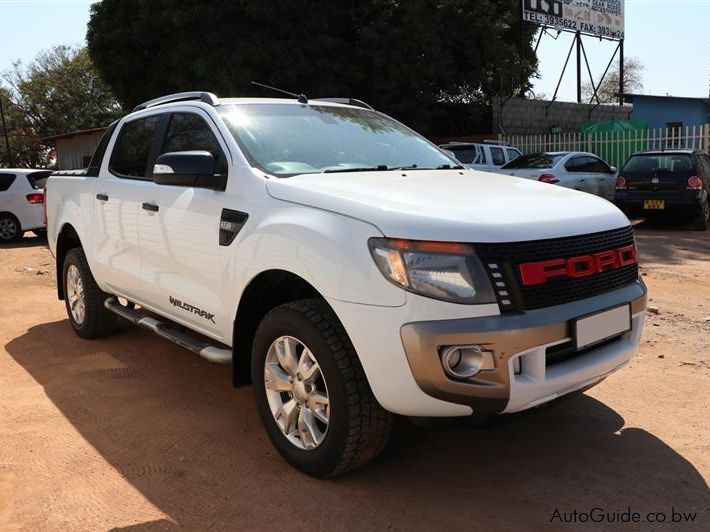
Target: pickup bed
344	266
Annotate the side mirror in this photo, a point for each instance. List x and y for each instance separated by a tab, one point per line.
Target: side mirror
613	169
188	169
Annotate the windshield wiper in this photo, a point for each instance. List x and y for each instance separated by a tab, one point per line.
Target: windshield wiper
380	168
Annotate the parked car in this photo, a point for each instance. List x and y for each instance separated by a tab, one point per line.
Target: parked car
673	183
578	170
339	262
486	156
21	202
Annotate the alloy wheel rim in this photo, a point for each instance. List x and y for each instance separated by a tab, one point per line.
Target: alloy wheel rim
297	392
8	228
75	294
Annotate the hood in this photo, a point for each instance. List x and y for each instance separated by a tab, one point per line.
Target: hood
453	205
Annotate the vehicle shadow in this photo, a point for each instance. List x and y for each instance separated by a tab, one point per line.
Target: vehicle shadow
172	425
26	242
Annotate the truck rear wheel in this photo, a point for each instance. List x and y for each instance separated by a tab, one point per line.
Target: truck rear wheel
312	393
84	300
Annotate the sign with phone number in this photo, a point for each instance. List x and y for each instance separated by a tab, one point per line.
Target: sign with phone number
601	18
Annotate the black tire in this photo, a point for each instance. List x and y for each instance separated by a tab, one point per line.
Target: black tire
358	427
97	321
702	221
8	221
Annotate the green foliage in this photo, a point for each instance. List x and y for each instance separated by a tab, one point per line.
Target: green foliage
430	63
59	91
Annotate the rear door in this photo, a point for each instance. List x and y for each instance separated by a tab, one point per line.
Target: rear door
179	233
118	192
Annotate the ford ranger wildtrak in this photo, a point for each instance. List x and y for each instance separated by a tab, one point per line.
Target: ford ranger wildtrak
344	265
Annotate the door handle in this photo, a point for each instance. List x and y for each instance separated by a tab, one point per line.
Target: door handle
152	207
102	197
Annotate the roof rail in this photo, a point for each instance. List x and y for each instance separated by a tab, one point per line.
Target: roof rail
206	97
347	101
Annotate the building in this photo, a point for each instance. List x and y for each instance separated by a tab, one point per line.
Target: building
672	112
74	149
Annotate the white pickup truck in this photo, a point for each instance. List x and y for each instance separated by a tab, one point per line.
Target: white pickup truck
344	265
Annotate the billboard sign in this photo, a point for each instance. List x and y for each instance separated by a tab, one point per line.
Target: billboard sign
601	18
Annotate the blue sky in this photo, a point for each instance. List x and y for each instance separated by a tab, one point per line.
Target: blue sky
670	37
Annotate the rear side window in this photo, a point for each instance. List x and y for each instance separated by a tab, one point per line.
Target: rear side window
498	156
95	164
189	132
512	154
132	150
671	163
38	180
6	181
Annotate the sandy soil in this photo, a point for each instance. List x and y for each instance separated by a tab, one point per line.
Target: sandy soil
132	432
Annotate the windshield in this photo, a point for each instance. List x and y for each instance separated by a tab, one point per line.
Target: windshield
285	139
672	163
535	160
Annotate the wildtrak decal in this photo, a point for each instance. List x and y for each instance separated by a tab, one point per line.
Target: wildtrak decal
191	308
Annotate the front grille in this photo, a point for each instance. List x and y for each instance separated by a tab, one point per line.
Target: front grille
502	261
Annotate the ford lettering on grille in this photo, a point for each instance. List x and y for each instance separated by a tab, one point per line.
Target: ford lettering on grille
536	273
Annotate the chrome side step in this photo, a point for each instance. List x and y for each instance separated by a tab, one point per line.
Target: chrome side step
197	346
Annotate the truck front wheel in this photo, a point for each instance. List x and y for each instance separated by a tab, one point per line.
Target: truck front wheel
312	393
84	299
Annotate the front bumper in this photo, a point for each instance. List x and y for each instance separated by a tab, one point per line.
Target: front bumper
527	336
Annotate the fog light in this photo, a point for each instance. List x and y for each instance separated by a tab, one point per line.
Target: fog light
465	361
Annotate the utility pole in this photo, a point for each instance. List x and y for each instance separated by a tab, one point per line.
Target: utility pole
621	72
578	38
7	138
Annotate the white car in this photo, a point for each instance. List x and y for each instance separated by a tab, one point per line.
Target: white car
344	266
578	170
485	156
21	202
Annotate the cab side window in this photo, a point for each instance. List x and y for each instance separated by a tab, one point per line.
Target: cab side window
189	132
132	150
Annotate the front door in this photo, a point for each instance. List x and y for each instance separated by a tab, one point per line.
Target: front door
183	269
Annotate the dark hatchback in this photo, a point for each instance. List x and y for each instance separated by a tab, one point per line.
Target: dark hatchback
673	183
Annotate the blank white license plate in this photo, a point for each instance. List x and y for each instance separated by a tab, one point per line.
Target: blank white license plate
599	327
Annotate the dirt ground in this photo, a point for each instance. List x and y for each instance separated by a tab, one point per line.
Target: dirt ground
132	432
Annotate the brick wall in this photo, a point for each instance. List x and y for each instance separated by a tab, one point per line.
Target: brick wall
518	116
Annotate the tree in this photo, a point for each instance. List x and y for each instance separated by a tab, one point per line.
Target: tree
26	150
423	61
608	90
59	91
